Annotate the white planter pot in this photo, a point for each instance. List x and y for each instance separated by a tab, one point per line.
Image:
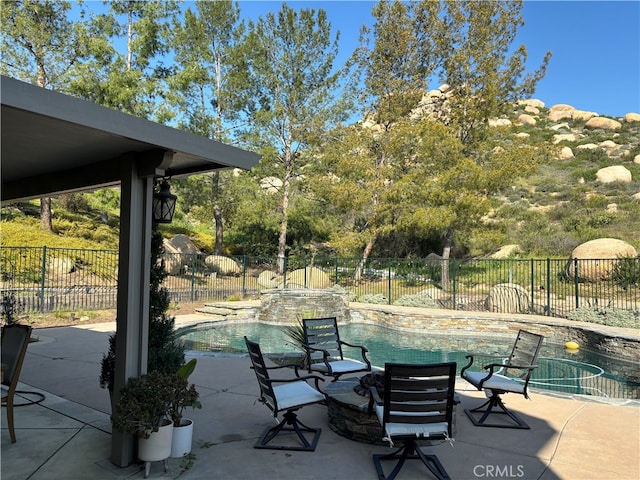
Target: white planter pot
158	446
182	438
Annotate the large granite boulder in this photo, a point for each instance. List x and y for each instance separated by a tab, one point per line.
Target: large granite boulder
602	123
176	250
615	173
310	277
508	298
268	279
222	265
597	258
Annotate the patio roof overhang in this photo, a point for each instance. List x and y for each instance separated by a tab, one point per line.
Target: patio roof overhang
53	143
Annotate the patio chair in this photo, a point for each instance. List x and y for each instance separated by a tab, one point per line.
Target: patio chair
324	353
291	395
509	376
416	405
15	339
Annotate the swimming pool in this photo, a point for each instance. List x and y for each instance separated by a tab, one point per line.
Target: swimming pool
584	372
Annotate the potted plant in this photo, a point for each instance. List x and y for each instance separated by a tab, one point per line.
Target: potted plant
184	395
141	411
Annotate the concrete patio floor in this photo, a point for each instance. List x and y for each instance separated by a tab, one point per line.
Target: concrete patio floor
67	435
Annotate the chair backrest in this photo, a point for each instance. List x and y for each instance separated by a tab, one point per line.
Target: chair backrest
322	333
267	396
419	394
525	353
15	339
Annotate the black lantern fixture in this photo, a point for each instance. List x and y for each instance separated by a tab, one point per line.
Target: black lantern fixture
164	204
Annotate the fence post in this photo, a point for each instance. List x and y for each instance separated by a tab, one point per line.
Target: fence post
304	264
43	275
575	281
244	276
454	281
336	282
389	281
532	307
548	287
193	277
284	273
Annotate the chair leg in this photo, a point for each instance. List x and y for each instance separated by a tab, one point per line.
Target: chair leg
410	451
10	424
487	408
290	423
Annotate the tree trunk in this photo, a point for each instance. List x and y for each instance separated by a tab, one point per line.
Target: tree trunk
45	214
217	215
357	275
446	253
282	240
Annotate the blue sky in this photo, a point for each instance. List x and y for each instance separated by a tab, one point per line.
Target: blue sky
595	45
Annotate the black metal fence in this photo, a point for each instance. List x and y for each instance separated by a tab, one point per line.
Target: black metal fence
63	279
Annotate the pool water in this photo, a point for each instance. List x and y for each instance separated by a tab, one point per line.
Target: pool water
584	372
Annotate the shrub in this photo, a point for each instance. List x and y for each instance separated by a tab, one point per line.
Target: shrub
376	298
607	316
417	300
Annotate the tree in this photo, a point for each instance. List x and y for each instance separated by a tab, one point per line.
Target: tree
131	81
466	44
39	46
202	90
287	86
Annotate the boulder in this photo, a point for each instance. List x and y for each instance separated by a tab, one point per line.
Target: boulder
632	117
636	159
222	265
532	110
506	251
499	122
565	153
268	279
58	266
532	102
271	184
603	124
183	244
508	298
615	173
310	277
597	258
564	137
560	111
588	146
525	119
582	115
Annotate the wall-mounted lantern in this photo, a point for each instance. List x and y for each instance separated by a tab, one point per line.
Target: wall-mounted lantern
164	204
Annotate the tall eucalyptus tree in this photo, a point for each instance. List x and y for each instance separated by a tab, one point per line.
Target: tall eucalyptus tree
288	86
203	43
39	45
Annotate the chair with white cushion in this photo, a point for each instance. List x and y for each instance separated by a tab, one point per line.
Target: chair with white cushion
285	395
511	375
416	405
324	349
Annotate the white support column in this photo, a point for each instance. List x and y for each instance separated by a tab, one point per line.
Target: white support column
132	321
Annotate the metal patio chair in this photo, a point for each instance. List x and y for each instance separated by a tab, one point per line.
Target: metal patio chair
509	376
15	339
416	405
285	395
324	352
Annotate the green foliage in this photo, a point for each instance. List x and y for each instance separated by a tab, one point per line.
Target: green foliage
376	298
10	308
607	316
144	402
416	300
626	272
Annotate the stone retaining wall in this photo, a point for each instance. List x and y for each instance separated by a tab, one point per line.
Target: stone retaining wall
276	308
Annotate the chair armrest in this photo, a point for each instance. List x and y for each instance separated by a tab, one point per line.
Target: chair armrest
374	398
288	365
363	351
315	378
